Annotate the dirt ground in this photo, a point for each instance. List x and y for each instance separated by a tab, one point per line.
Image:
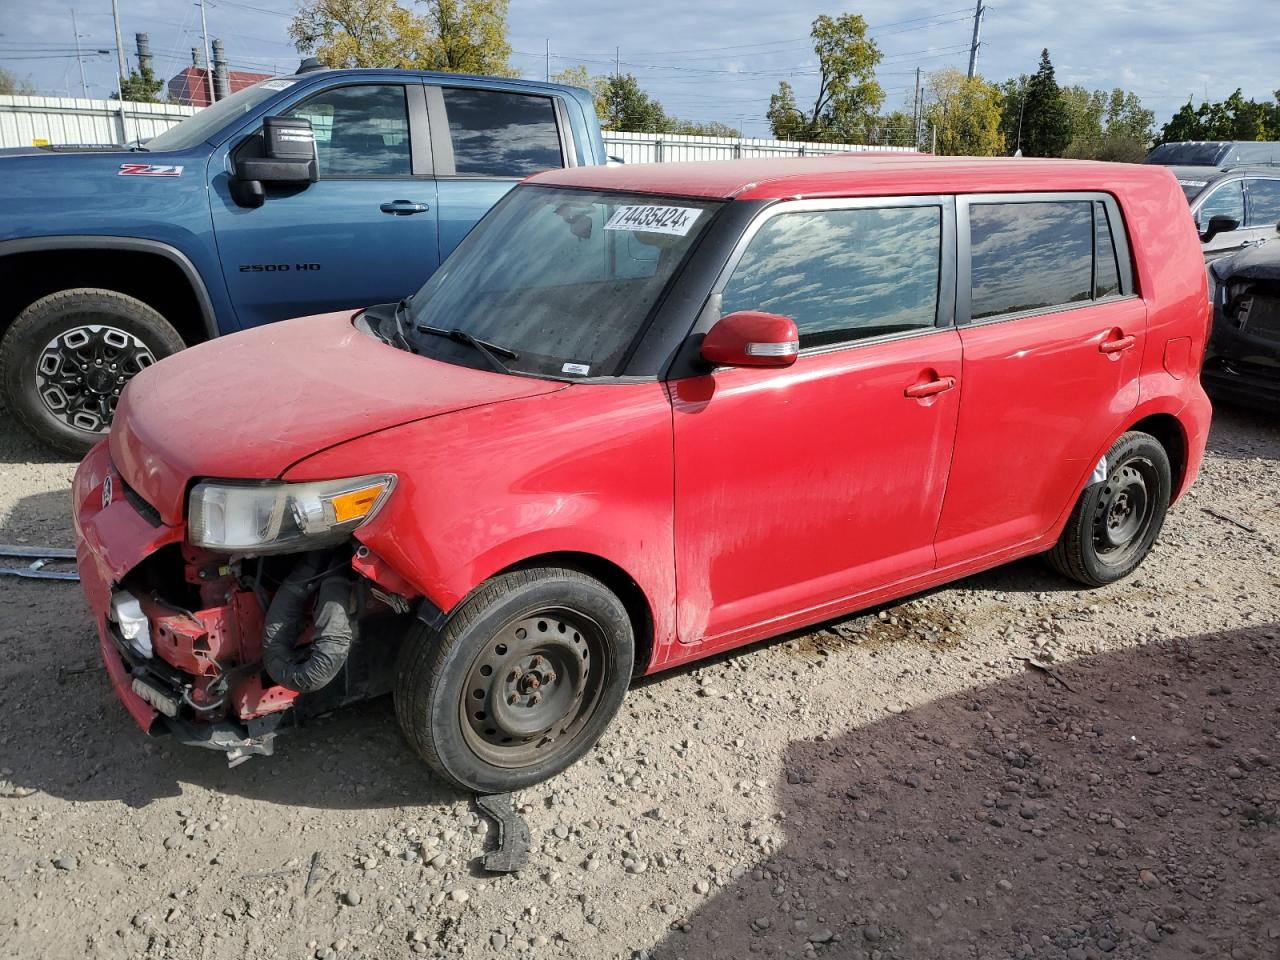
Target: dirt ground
895	785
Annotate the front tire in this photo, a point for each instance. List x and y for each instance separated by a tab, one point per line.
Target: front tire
65	359
1116	522
521	682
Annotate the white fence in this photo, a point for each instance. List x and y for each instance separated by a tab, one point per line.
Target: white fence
37	121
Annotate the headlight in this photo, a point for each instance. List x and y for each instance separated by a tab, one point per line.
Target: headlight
255	518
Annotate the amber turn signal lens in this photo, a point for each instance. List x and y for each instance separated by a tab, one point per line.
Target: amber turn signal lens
357	503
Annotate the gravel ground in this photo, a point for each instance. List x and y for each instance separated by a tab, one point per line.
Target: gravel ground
895	785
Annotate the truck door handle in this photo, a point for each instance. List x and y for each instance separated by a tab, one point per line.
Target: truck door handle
1116	345
930	388
403	208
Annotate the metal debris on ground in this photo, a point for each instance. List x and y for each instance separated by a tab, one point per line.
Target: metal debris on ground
1047	670
40	557
512	852
1229	518
315	875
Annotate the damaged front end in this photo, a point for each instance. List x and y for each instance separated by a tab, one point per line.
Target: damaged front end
1242	361
224	650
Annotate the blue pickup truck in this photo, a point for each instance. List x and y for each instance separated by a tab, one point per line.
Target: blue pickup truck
319	191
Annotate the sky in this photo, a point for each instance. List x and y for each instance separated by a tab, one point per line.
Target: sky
721	61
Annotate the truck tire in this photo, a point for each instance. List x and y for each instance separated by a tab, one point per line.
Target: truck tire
65	359
521	681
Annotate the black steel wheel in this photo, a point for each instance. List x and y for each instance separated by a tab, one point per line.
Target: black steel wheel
67	357
1116	522
521	682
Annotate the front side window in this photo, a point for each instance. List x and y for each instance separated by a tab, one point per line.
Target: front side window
565	279
1264	203
361	131
843	275
499	134
1027	256
1226	201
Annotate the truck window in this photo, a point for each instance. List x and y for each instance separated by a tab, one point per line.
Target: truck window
1027	256
361	131
1226	201
843	275
500	134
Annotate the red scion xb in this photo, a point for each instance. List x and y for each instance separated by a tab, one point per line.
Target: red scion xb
641	415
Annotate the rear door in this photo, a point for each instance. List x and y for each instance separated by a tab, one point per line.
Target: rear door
798	488
485	141
364	233
1053	333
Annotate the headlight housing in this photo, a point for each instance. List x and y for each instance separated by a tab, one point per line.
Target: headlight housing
255	518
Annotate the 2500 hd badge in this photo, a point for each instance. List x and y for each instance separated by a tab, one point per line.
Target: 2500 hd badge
277	267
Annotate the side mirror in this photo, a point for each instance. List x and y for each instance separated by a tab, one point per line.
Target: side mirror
750	338
1217	225
288	156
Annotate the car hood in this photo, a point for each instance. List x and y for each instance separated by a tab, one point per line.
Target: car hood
1254	263
250	405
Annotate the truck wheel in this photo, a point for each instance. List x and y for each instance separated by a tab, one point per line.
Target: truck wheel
522	681
65	359
1116	522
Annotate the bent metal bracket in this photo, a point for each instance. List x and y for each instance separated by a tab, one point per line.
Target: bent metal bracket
37	560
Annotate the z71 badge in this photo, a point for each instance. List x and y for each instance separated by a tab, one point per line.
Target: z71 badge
149	170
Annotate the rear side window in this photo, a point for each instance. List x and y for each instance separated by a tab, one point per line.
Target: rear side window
498	134
1028	256
361	131
1264	203
1106	272
843	275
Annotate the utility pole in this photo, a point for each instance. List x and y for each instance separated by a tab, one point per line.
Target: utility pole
548	59
115	13
617	61
208	62
84	87
977	32
915	124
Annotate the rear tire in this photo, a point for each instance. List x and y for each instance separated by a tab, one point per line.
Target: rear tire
1116	522
520	683
65	359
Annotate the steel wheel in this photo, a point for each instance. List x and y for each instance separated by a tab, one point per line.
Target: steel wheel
1124	510
81	372
531	687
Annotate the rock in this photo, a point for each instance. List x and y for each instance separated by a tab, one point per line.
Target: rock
821	936
1234	773
1004	885
66	863
898	873
173	842
1152	932
872	933
458	895
701	886
351	898
1147	878
498	941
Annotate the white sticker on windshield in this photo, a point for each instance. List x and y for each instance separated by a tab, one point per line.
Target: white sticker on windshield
581	369
277	84
648	218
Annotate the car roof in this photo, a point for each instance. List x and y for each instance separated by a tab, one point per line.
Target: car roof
854	174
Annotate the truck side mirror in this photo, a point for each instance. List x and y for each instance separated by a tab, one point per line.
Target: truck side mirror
289	156
1217	225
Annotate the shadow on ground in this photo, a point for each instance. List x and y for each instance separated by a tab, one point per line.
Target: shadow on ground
1132	815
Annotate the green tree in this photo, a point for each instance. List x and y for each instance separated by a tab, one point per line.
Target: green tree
579	76
1234	118
459	36
1127	118
1046	125
701	128
627	107
965	112
11	83
848	95
141	86
1086	110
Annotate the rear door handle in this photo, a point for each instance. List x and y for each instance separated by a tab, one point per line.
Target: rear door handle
930	388
403	208
1117	345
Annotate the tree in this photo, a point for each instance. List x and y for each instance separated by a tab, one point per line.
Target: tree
579	77
458	36
1234	118
1085	112
11	83
848	96
1127	119
141	86
701	128
1046	125
627	107
965	112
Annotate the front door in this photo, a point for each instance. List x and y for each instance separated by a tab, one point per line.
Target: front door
1053	336
364	233
798	488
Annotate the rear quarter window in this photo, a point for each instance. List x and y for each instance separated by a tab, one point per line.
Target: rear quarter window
500	134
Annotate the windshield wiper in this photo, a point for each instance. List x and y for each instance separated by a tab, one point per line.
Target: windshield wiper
401	336
490	351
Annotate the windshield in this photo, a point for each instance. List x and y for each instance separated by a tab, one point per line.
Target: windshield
1186	154
563	279
1192	188
204	123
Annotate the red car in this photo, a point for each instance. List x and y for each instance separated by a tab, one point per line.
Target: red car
644	414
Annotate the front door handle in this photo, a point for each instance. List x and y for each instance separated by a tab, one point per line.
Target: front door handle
1117	345
930	388
403	208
